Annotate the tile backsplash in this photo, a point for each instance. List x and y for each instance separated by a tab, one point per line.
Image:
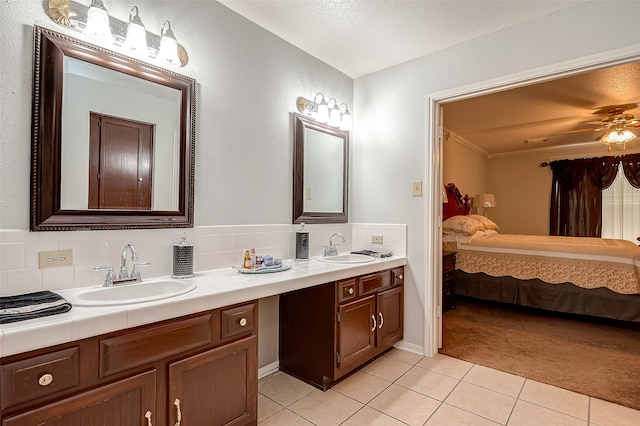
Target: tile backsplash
215	247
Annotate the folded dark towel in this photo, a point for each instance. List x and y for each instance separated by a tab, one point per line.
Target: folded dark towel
31	305
372	253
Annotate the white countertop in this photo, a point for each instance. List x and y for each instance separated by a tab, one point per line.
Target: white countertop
215	289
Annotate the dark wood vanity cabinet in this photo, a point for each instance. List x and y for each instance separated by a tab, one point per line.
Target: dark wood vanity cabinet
329	330
200	369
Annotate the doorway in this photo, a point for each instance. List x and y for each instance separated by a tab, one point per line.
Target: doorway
120	163
434	142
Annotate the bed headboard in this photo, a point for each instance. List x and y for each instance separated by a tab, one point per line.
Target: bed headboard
456	204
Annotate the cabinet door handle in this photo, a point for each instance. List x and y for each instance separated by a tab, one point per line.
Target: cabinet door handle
147	416
374	323
381	320
178	412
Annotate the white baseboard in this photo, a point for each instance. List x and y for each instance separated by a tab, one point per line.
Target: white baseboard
268	369
410	347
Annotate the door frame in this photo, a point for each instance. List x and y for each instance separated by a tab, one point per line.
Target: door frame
433	162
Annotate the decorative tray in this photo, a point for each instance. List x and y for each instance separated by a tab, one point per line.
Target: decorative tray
263	270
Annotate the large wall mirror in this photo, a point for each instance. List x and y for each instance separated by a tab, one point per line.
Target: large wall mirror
320	172
113	140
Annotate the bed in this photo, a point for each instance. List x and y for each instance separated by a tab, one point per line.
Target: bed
587	276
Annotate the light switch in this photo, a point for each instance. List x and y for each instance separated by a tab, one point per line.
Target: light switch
308	194
417	189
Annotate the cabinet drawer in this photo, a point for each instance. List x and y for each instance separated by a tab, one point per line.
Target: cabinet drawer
138	348
346	290
238	321
397	276
39	376
371	283
447	276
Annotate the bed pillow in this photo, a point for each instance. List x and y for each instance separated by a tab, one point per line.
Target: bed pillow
461	238
490	232
462	225
488	223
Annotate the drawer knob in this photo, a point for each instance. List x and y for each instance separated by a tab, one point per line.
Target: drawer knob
350	290
242	322
45	379
400	276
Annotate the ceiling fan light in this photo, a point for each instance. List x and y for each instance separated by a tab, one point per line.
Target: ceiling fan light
618	136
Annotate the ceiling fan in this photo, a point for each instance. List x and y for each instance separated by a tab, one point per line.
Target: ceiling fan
616	127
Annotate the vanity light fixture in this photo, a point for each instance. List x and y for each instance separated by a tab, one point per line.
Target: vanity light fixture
335	118
136	41
168	45
326	111
130	38
98	22
346	123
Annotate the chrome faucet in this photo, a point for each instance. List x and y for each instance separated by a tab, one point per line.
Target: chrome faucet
332	250
123	276
124	272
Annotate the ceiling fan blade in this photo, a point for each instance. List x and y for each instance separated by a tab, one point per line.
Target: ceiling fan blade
595	129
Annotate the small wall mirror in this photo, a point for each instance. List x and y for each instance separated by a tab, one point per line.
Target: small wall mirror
320	172
113	140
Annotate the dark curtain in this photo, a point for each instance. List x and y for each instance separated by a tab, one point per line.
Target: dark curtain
631	168
576	195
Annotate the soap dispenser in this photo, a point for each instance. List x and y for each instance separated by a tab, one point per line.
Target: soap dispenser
182	259
302	243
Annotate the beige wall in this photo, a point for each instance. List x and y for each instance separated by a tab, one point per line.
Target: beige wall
464	167
521	186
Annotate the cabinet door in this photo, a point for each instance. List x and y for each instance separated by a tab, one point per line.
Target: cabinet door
356	333
216	387
123	403
390	317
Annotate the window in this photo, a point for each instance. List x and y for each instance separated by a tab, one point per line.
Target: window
621	210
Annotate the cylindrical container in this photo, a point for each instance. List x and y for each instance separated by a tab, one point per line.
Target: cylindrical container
182	259
302	243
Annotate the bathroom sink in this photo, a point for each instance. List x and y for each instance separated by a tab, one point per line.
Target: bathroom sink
125	294
346	258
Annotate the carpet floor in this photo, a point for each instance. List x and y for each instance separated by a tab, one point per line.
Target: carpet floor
593	357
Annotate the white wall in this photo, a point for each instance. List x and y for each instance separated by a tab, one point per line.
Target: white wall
399	145
247	84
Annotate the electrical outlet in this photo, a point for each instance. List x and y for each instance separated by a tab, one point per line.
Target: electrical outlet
417	189
376	239
309	193
53	259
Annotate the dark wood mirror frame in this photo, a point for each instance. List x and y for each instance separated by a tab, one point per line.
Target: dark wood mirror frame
50	48
300	123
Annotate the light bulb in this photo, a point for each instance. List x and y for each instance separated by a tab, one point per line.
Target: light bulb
98	22
136	41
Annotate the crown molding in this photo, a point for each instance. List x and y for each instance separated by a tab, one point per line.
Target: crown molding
453	137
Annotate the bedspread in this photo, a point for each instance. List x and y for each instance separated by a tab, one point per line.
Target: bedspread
585	262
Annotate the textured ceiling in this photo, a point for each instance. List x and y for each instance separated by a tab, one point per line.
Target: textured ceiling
359	37
503	122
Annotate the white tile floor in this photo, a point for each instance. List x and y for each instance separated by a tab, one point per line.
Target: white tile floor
402	388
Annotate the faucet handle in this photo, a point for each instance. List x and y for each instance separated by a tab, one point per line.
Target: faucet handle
110	277
135	272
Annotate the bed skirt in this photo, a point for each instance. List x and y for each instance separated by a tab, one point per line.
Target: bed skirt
566	297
